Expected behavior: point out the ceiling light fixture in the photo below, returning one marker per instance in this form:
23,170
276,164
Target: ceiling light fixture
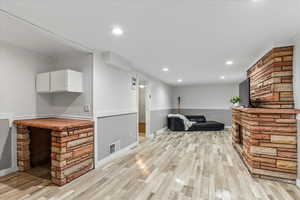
179,80
222,77
229,62
117,31
165,69
142,86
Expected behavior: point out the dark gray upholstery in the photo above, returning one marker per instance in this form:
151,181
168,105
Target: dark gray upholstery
176,124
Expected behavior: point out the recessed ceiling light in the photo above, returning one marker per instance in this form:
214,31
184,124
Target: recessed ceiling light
117,31
229,62
179,80
142,86
222,77
165,69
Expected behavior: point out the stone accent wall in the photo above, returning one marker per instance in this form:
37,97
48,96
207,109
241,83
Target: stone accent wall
269,133
23,152
271,79
269,143
72,152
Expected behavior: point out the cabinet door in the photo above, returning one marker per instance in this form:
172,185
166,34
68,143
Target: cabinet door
74,81
59,81
43,82
66,81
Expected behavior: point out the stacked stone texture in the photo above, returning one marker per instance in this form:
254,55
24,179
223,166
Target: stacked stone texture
71,152
269,147
23,152
266,137
271,79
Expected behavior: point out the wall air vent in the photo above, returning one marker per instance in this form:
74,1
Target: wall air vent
114,147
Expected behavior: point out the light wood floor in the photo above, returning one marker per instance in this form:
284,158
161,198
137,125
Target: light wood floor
173,166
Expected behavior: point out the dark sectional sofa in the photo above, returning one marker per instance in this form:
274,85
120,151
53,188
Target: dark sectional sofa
176,124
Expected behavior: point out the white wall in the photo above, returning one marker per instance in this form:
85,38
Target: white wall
211,96
18,68
296,71
161,95
115,107
72,104
112,88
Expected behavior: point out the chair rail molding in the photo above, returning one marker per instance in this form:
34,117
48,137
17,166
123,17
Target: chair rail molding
108,113
7,116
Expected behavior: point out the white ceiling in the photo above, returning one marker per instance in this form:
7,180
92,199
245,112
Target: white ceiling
24,35
193,38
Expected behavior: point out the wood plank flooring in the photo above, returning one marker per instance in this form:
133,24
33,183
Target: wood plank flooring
172,166
142,129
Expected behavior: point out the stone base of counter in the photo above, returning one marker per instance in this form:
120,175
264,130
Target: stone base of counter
72,152
267,142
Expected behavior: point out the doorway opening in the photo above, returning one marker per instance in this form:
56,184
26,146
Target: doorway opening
143,117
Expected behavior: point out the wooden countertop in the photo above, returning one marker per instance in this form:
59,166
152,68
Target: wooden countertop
56,124
267,110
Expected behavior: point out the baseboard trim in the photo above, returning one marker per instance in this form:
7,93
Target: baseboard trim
298,182
115,155
7,116
4,172
160,131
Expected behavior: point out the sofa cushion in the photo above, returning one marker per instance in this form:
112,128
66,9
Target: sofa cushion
196,118
207,126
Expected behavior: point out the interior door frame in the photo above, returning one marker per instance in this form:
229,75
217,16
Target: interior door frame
147,104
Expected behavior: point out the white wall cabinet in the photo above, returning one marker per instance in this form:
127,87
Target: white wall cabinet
59,81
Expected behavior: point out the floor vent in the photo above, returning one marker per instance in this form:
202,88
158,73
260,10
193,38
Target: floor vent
114,147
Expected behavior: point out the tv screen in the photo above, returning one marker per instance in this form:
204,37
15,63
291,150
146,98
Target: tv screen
244,92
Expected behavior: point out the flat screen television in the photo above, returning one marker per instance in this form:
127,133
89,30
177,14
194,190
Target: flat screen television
244,92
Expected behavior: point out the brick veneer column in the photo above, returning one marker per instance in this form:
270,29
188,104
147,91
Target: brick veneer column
23,152
269,143
72,154
271,79
269,135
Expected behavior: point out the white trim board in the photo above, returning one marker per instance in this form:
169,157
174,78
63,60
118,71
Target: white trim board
7,116
160,131
114,113
115,155
161,109
298,182
7,171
